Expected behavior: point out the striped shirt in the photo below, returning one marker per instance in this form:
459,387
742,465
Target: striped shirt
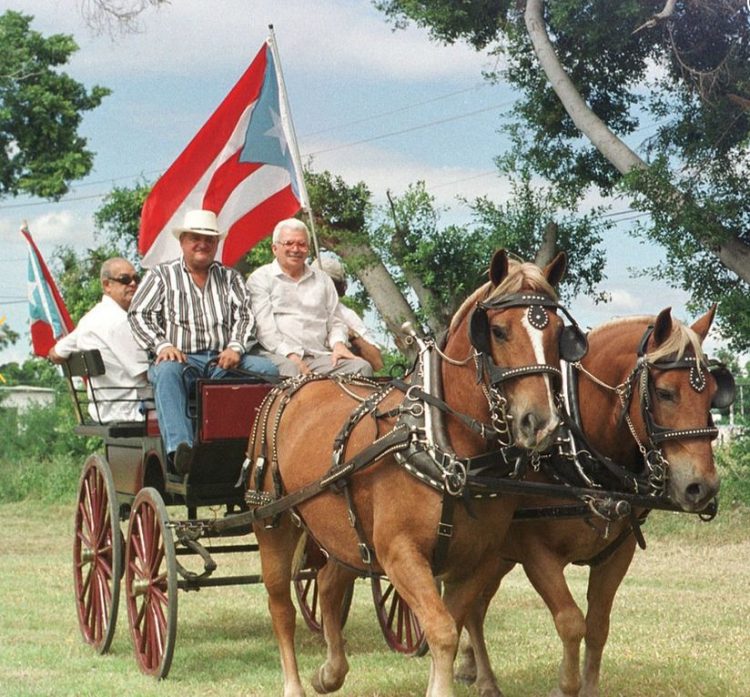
169,309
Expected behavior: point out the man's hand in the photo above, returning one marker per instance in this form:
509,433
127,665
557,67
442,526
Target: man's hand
340,351
229,358
170,353
299,362
55,357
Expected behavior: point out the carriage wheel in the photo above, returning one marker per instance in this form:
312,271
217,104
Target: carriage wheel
97,555
399,624
151,583
306,589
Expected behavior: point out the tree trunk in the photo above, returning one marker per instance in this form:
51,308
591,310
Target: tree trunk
425,296
548,248
731,252
390,303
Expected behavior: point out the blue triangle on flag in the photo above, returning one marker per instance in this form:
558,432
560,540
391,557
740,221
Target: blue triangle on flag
265,138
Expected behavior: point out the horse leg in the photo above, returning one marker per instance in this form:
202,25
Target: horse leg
604,580
546,573
469,596
276,553
333,582
474,666
411,575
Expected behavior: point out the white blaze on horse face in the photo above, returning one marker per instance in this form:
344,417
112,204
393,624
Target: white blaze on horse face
536,336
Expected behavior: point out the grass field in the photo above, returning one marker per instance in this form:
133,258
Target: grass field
679,625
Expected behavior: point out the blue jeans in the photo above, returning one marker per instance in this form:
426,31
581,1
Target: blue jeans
170,391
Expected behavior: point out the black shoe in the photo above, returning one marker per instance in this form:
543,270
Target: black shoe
183,458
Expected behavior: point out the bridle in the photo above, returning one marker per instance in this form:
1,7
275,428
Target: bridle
655,461
573,344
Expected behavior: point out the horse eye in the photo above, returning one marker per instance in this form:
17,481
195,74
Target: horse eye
499,333
665,395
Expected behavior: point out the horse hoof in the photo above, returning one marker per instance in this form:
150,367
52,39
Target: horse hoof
465,677
321,686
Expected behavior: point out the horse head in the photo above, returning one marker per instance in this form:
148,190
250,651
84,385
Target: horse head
515,332
665,401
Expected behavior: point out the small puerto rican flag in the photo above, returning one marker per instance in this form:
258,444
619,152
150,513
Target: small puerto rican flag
49,316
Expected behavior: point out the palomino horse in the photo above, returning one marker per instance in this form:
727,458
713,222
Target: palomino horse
359,466
645,394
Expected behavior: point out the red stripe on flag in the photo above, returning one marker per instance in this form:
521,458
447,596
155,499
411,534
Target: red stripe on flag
42,339
226,179
257,224
187,169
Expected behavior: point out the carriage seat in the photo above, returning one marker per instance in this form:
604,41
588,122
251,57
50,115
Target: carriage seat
85,365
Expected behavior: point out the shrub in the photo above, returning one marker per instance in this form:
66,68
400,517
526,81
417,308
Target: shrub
43,456
733,461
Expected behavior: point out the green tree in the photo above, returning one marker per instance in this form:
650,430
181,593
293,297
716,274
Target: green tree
7,336
41,109
116,231
36,372
606,71
118,219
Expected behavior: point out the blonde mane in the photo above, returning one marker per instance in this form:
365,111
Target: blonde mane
521,276
679,341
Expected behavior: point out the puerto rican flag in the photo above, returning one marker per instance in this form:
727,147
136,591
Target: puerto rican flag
239,165
49,316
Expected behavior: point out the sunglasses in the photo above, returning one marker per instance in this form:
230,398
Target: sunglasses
126,279
293,243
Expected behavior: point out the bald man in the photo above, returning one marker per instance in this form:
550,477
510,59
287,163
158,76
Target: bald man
105,327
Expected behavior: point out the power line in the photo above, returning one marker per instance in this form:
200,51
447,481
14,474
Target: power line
49,203
408,130
392,111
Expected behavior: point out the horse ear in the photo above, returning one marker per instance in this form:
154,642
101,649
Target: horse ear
662,327
499,267
702,325
555,270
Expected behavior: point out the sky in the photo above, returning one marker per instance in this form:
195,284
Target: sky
368,104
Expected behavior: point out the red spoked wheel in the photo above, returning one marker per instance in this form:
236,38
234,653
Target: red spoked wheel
399,624
306,589
97,554
151,583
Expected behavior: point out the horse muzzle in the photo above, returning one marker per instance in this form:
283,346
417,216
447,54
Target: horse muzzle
535,431
693,494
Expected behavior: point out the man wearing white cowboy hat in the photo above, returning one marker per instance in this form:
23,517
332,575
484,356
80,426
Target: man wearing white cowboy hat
188,312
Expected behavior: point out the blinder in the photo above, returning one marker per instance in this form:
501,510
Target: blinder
573,343
479,330
725,389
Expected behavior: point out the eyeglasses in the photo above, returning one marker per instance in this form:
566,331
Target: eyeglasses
126,279
293,243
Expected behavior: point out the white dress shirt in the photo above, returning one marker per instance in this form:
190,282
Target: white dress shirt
354,322
118,392
295,316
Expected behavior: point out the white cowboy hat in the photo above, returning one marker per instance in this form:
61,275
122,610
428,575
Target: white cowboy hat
201,223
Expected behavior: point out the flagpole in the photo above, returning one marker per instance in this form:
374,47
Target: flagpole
294,147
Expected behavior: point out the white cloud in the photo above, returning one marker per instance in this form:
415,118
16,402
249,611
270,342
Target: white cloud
63,227
384,169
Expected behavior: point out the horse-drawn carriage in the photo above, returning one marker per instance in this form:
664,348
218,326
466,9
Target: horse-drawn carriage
414,479
131,481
